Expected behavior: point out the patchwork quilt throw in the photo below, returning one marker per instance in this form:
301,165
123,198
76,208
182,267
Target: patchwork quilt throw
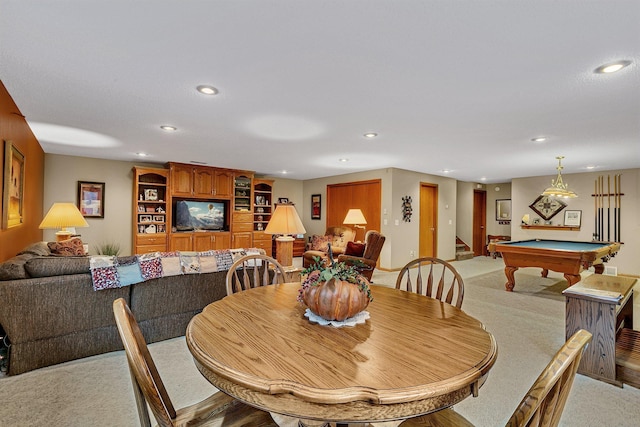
115,272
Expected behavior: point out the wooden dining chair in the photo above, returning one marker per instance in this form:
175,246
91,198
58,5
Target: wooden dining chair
218,410
434,278
544,402
254,270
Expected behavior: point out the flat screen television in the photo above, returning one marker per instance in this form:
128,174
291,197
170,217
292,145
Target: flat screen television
193,215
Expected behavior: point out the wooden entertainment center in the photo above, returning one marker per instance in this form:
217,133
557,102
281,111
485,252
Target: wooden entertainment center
247,203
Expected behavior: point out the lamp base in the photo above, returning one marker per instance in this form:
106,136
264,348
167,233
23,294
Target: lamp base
63,235
284,250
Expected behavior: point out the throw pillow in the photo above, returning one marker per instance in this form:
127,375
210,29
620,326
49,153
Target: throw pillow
70,247
320,243
354,249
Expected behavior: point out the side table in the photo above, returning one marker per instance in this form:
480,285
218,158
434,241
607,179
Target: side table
603,305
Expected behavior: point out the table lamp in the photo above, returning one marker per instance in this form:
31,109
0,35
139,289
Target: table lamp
285,221
63,215
355,217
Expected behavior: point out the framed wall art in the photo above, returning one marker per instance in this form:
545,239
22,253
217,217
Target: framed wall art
91,199
316,206
572,218
547,207
13,191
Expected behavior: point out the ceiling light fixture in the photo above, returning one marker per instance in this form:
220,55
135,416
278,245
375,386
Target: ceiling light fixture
168,128
207,90
558,187
370,135
343,160
141,154
612,67
539,139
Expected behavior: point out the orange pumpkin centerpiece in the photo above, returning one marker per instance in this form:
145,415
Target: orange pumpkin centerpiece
334,291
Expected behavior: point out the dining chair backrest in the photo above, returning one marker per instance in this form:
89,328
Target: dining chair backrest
252,271
216,410
147,384
434,278
544,402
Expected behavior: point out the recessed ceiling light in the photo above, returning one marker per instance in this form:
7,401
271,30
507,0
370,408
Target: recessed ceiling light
284,172
539,139
207,90
343,160
141,154
612,67
446,171
591,167
168,128
370,135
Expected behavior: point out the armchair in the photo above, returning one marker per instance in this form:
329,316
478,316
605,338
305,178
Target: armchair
372,248
318,247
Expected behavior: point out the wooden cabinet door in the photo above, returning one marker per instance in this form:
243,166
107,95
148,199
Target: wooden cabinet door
202,242
181,180
203,181
180,242
221,241
242,240
223,184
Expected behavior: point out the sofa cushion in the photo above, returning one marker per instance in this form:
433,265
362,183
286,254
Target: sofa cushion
14,268
38,248
47,266
354,249
69,247
320,243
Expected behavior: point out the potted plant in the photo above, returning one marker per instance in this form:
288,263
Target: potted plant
334,291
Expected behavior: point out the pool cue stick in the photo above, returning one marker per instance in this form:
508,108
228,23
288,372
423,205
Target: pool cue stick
601,233
615,208
609,208
619,208
595,210
600,237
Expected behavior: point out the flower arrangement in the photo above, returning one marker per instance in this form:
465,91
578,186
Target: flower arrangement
335,291
318,273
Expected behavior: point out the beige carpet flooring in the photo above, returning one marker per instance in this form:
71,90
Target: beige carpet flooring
528,325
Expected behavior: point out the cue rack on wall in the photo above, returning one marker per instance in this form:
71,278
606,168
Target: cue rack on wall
605,213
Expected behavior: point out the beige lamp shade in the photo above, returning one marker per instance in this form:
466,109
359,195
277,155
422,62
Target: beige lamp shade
285,221
354,217
63,215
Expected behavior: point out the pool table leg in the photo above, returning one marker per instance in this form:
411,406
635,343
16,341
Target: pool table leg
572,278
511,280
545,272
598,268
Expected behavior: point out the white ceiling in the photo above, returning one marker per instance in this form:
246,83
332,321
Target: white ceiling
461,85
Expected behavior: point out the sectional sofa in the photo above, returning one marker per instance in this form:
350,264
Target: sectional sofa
52,314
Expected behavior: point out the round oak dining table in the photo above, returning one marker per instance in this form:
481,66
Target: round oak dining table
414,355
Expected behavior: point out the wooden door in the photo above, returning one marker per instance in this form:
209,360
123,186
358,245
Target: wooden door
223,184
180,242
242,240
203,181
202,242
428,245
363,195
479,221
181,180
221,241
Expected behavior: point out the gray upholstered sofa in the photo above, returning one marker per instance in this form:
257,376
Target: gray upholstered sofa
51,314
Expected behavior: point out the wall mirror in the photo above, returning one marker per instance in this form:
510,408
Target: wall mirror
503,210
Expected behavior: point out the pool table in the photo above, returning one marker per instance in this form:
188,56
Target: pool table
562,256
